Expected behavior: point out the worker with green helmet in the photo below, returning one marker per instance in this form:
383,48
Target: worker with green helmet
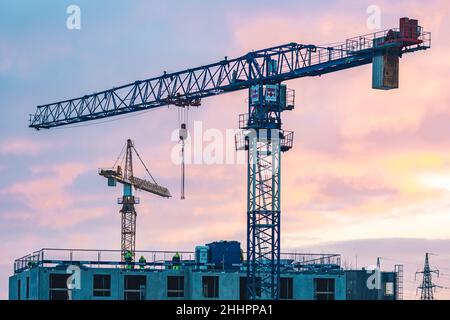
176,261
128,257
142,262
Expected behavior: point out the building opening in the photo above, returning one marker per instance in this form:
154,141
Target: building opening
102,285
286,288
243,288
324,289
210,286
27,292
58,286
135,287
175,286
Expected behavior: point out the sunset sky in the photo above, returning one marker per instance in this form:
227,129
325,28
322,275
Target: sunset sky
368,177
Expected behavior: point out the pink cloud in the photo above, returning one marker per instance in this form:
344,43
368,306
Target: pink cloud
19,146
23,147
48,194
72,216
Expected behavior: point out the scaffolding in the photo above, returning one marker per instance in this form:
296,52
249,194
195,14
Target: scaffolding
399,281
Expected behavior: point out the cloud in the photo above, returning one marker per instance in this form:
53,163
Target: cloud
432,133
5,57
62,219
15,58
407,251
47,195
355,191
23,147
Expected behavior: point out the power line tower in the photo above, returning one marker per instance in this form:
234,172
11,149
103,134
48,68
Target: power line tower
427,288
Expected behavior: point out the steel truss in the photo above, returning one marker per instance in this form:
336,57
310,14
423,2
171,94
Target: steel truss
263,218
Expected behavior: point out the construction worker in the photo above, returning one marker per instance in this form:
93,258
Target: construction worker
142,262
176,261
128,257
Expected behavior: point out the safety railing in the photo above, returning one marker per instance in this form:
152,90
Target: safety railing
356,45
301,261
48,257
156,260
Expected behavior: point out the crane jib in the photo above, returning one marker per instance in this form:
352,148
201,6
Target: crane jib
271,65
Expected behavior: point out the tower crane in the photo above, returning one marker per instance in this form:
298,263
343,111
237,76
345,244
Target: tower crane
128,200
262,73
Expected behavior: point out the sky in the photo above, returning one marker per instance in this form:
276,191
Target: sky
368,177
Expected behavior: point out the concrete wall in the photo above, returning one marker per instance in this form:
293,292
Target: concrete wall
358,287
304,285
228,285
33,285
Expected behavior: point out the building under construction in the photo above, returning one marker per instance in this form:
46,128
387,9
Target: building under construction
213,271
220,270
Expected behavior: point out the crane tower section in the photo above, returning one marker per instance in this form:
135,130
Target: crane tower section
264,141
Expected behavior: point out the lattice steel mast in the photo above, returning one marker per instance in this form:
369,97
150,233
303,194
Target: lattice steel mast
128,212
264,140
427,288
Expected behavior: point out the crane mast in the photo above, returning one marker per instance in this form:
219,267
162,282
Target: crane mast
262,73
264,140
128,211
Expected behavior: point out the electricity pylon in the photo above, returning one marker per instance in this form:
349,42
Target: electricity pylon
427,288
